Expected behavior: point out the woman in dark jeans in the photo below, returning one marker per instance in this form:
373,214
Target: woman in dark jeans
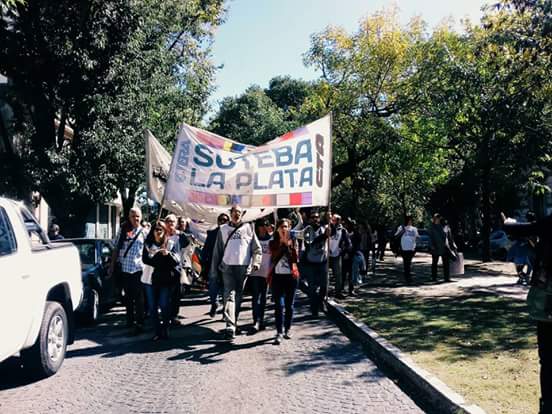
284,277
161,253
542,275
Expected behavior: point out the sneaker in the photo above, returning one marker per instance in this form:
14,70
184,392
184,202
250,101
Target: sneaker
287,335
278,339
257,326
353,293
213,310
230,334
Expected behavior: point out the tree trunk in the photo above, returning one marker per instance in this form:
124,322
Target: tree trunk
486,201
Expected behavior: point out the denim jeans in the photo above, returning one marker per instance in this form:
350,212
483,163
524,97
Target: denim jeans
215,288
233,278
283,286
159,297
335,265
358,263
317,278
258,298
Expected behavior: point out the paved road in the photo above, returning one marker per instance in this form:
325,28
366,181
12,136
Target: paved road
107,371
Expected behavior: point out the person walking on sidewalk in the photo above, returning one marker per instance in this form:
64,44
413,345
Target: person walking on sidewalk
258,279
407,234
340,244
315,261
127,257
284,277
236,249
214,283
439,241
161,253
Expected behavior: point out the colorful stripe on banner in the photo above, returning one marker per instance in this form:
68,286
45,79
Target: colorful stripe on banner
301,199
294,134
264,200
282,199
214,141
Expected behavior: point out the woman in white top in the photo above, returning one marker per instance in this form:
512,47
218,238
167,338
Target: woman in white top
408,234
284,276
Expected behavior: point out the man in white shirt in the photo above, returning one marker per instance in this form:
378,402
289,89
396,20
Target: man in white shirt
237,248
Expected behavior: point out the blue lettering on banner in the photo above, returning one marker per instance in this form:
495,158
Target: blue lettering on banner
243,179
303,150
231,163
276,179
193,179
184,153
319,160
283,156
203,156
216,179
263,158
291,173
306,177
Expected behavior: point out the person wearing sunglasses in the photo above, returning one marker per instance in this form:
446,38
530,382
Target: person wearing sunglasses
160,252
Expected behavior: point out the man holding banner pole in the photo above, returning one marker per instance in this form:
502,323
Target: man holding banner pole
236,250
315,261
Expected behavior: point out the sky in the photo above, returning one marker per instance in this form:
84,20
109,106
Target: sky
265,38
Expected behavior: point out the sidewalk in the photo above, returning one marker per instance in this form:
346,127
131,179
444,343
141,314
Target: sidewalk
473,333
492,278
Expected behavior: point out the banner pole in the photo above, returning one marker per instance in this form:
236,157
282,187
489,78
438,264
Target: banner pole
170,169
329,208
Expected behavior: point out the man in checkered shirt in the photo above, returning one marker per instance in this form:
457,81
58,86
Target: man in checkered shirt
130,259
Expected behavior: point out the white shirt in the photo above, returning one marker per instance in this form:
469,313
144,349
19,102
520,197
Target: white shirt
265,261
238,251
408,239
283,267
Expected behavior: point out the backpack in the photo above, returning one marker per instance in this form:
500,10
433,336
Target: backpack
395,243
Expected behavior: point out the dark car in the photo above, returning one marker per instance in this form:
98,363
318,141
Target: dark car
423,241
99,291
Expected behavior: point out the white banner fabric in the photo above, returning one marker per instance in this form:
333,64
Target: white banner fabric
158,162
212,172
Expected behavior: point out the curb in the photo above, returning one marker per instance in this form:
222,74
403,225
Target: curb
427,387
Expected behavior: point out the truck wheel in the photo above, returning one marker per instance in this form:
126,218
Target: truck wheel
45,357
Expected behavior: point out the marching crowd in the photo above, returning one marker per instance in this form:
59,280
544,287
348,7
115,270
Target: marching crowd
275,256
271,256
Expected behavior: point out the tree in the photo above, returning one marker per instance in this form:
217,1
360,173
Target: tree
366,81
107,70
488,94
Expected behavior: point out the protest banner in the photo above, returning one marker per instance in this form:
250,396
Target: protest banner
210,171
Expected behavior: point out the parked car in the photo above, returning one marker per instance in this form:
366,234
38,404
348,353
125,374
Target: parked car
99,291
500,244
40,288
423,241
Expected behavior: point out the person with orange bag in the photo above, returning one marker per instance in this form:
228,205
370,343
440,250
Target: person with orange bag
283,276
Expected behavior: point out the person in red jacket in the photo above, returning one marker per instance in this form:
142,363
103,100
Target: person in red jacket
284,276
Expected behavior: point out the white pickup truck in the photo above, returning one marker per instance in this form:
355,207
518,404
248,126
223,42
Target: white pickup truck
40,287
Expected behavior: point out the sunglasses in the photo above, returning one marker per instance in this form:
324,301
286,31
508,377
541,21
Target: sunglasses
159,230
